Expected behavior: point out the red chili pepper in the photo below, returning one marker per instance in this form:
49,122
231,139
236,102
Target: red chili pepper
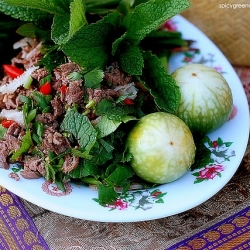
12,71
63,89
6,123
91,116
46,88
128,101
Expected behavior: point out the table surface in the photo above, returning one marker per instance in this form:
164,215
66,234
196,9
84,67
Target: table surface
222,222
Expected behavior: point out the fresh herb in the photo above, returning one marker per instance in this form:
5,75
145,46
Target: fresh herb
3,130
80,126
26,144
203,154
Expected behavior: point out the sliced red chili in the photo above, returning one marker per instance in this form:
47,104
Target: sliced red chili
6,123
63,89
91,116
46,88
128,101
12,71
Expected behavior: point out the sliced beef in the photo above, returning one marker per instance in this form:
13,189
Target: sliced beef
34,163
29,56
6,79
115,76
74,93
14,176
58,107
47,119
15,130
70,67
4,152
61,74
34,168
23,92
9,101
98,94
70,163
39,74
54,141
27,174
11,142
2,103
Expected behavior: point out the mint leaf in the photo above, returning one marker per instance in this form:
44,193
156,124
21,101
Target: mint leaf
101,153
60,29
89,46
27,14
52,59
25,146
113,111
203,154
57,7
120,176
93,78
65,26
85,169
109,148
77,16
106,194
90,169
131,60
150,15
80,153
82,129
106,126
30,30
161,85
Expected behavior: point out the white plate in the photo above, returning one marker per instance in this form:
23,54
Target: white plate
168,199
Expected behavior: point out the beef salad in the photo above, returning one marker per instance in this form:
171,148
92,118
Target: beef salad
71,94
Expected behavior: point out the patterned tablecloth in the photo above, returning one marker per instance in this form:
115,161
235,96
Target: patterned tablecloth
222,222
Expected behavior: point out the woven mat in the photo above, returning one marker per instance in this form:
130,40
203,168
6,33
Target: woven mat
18,231
227,24
62,232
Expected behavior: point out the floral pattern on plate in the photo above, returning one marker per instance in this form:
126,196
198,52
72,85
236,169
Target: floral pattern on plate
220,153
141,199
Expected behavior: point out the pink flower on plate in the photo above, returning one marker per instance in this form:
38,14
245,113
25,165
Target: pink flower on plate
209,172
119,204
169,25
218,68
234,113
